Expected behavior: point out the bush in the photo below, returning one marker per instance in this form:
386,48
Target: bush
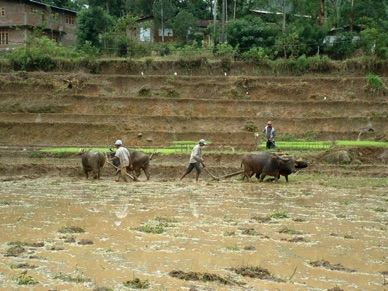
41,53
250,126
258,55
299,65
374,81
225,50
194,62
320,64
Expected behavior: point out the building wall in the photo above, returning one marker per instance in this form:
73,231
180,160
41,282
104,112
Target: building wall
18,18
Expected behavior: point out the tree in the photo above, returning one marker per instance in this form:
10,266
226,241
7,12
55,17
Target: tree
92,23
164,11
251,32
141,8
200,9
117,38
374,22
114,8
185,26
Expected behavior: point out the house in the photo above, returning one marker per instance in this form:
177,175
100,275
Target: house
18,19
145,31
333,33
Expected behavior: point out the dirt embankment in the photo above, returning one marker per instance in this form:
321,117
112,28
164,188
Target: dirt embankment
86,110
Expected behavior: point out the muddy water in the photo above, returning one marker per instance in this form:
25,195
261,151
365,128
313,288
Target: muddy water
207,227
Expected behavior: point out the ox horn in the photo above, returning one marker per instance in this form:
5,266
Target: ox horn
284,157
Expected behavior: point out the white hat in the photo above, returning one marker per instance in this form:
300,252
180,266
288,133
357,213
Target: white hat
202,141
118,142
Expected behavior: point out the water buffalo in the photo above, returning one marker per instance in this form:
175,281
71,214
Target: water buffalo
285,170
139,160
93,161
265,164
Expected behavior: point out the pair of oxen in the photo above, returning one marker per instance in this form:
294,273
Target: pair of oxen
94,161
260,164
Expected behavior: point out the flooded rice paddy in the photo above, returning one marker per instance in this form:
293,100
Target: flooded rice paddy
76,234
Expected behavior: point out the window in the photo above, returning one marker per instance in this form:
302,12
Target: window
166,32
4,37
70,19
2,12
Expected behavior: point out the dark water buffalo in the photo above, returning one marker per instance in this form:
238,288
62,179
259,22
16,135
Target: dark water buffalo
266,164
140,161
93,161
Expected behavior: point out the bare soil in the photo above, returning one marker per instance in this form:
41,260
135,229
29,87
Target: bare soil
75,234
324,230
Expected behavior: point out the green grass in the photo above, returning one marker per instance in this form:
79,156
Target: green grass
177,147
362,143
325,144
279,214
23,279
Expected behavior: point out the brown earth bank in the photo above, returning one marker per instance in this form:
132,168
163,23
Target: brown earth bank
78,109
24,162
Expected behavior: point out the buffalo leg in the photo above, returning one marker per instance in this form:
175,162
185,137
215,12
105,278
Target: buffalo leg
147,173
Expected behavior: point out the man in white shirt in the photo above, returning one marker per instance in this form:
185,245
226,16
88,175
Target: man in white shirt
195,160
123,155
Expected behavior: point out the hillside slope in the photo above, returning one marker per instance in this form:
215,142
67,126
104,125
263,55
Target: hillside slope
53,109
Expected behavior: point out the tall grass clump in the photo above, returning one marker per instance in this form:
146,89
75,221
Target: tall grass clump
374,81
299,65
321,64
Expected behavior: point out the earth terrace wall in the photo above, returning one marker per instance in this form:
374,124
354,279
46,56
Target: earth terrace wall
100,134
43,110
200,66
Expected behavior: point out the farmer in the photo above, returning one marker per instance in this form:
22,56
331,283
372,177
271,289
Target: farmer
123,155
270,134
195,160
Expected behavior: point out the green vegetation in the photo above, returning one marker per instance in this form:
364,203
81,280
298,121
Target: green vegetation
177,147
375,81
157,225
165,220
290,231
23,279
14,251
233,248
22,266
349,236
79,278
290,44
156,229
137,284
71,229
279,214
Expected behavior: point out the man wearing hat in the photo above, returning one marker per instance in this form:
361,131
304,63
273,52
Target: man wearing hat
270,134
195,160
123,155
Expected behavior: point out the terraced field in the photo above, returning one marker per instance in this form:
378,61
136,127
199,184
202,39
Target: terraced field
324,230
46,109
